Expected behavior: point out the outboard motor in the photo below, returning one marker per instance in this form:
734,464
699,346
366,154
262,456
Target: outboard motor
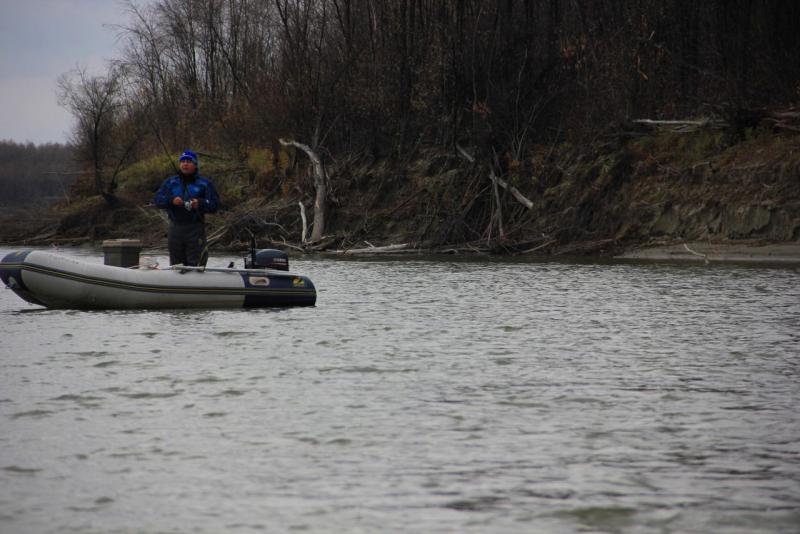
267,259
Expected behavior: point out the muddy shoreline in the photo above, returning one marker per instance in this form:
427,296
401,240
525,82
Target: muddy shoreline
690,197
784,253
702,252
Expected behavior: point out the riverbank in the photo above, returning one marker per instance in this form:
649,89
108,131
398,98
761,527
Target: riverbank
745,251
665,196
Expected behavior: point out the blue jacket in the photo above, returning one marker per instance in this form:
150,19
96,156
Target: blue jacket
187,187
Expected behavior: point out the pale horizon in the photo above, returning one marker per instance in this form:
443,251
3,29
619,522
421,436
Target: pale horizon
39,41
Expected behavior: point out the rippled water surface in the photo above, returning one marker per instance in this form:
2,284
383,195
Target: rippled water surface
417,396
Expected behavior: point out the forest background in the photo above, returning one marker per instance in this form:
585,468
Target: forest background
540,126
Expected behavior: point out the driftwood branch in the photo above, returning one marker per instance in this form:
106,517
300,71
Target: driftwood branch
653,122
464,154
388,249
683,125
546,244
787,120
497,180
704,256
511,189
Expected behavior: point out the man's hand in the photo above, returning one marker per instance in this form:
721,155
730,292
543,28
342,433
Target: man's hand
177,201
195,202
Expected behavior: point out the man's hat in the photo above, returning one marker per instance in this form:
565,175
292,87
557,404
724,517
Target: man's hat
188,155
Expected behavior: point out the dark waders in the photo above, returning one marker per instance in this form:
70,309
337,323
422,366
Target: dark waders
187,244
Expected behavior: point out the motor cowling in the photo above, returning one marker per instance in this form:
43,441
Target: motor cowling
268,259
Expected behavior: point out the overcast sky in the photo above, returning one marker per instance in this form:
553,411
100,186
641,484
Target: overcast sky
40,40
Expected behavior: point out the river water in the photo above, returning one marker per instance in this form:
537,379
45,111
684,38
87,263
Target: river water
417,396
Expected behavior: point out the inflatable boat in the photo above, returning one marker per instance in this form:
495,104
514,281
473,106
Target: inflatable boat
58,281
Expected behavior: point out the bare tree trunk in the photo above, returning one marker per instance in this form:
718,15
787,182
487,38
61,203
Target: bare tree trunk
305,223
498,207
320,187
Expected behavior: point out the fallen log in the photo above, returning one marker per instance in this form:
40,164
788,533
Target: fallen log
388,249
499,181
683,125
540,247
513,190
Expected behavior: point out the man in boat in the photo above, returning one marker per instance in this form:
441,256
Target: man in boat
187,197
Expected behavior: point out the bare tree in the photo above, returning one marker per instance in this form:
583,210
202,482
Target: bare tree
320,188
94,102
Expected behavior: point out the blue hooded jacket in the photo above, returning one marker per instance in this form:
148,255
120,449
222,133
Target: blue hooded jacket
187,187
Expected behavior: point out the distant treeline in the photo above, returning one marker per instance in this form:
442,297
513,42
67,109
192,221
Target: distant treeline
385,77
35,174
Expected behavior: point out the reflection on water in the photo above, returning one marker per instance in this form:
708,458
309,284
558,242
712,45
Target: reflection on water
434,396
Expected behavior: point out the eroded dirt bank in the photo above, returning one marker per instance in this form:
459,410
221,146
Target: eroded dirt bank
724,197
